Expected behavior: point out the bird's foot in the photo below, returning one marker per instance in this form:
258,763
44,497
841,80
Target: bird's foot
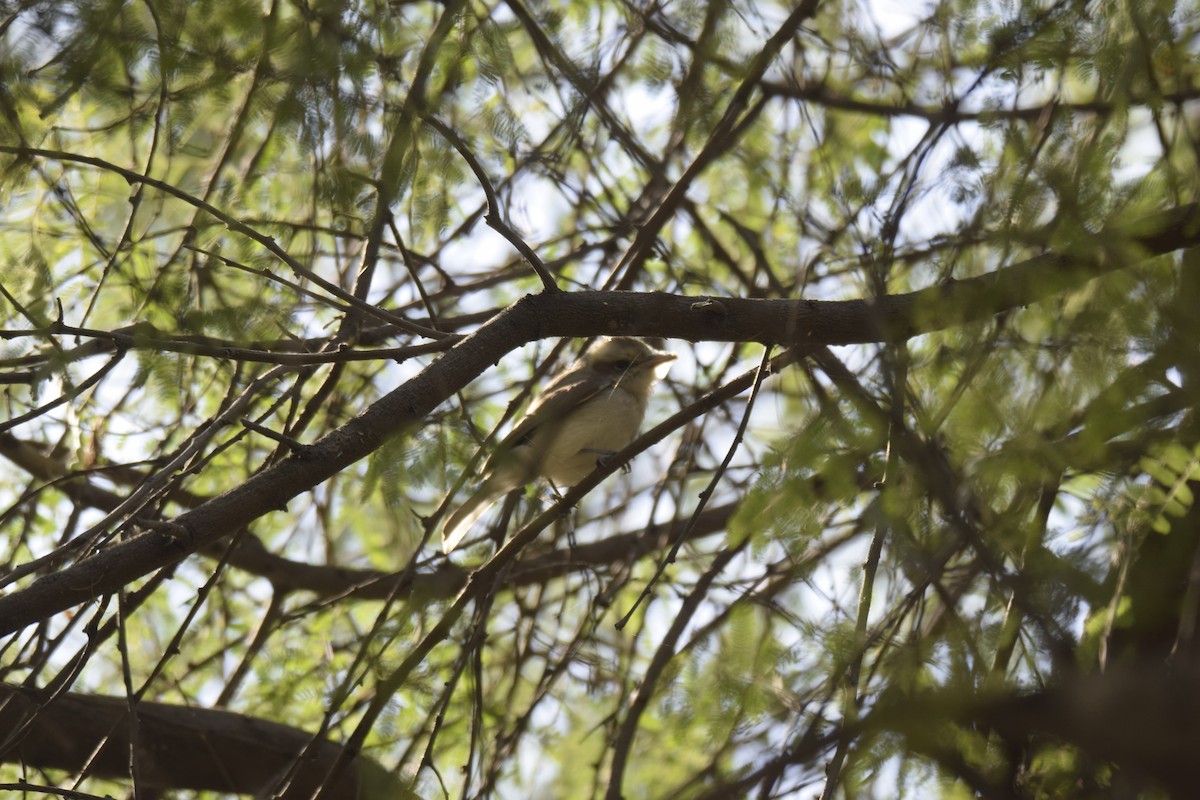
602,457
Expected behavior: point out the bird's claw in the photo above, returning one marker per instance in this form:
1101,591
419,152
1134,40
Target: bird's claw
602,457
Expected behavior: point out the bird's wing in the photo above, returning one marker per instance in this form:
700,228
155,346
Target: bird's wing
561,395
553,404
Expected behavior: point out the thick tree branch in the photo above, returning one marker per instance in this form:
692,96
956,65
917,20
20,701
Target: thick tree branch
1142,716
178,747
286,575
781,322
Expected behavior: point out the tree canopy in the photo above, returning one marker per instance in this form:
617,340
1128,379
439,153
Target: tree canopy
912,514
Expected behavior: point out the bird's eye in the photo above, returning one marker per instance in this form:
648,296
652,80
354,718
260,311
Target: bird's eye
623,364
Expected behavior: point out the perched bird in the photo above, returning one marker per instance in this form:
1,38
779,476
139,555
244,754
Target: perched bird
591,410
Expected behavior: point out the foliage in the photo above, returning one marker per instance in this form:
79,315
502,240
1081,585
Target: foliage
231,228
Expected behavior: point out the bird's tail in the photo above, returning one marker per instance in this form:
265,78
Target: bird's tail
468,514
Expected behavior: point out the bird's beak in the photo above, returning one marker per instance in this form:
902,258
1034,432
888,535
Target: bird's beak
654,364
659,358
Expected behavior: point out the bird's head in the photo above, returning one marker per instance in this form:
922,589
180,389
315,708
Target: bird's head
629,360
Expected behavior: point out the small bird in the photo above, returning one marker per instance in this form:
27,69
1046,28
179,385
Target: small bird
591,410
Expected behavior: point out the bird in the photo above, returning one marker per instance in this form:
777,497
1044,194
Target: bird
592,409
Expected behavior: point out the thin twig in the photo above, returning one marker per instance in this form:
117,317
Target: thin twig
762,371
67,396
493,218
235,224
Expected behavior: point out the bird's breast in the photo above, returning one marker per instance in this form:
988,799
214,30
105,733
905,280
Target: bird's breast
605,423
